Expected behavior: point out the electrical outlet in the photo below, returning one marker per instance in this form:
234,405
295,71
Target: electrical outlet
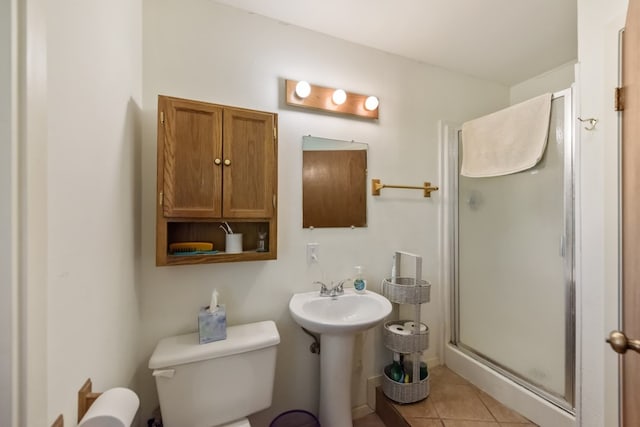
313,251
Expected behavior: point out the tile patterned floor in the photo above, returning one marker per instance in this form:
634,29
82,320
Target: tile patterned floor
452,402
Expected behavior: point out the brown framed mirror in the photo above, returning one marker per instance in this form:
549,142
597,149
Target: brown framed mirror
334,183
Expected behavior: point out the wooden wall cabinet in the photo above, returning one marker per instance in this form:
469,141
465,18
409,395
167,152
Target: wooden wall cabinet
215,164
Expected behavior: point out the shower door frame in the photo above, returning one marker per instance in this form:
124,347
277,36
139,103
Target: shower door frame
567,402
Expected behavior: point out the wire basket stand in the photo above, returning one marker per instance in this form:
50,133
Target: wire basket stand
407,336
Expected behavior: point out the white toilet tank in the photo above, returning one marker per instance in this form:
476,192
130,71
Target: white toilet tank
204,385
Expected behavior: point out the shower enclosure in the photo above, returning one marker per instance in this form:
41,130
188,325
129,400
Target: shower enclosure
512,267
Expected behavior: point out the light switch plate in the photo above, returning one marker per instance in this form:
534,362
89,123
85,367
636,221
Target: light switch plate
313,253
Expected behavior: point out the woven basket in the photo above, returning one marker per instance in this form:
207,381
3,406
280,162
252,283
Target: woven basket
404,343
404,393
406,290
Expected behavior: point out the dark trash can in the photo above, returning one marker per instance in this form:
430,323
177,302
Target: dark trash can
295,418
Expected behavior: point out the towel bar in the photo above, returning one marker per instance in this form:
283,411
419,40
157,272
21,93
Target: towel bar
376,186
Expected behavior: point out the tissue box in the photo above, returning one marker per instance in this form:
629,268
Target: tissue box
212,326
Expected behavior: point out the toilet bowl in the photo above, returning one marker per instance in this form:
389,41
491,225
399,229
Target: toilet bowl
216,384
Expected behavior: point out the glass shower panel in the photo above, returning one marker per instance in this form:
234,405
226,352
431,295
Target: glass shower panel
511,276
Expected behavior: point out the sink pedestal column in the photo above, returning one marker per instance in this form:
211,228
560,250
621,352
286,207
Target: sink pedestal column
336,354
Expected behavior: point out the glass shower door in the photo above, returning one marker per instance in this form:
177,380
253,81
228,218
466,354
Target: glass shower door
515,265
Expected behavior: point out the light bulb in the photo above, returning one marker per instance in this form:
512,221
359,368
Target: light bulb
371,103
339,96
303,89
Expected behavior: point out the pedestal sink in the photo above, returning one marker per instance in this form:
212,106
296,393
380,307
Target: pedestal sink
337,320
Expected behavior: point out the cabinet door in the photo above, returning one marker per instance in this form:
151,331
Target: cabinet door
189,158
249,173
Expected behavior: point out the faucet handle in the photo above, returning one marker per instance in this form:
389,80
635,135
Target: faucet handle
323,288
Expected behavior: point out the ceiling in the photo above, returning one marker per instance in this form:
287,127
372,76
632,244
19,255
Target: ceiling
505,41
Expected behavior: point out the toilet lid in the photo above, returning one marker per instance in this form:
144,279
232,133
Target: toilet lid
238,423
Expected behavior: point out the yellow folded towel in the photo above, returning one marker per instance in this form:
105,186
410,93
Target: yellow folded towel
507,141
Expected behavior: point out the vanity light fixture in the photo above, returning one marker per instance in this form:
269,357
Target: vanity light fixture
303,94
303,89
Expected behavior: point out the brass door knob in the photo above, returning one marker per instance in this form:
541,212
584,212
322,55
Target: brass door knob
227,162
620,343
217,161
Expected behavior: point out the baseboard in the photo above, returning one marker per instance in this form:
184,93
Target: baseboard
360,411
372,384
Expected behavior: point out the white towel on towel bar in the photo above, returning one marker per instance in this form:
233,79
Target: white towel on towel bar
507,141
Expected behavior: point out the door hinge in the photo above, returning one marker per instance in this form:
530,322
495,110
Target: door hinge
162,117
160,198
275,134
273,199
619,99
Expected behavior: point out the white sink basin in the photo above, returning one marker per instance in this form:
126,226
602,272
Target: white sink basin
348,313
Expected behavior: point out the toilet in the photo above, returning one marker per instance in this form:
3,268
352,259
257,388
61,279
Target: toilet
217,384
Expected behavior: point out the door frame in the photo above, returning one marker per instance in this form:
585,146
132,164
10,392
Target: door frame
612,281
8,217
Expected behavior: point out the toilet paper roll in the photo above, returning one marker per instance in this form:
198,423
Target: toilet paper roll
399,329
409,326
116,407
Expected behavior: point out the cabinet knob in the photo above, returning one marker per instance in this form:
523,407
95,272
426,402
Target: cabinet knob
227,162
217,161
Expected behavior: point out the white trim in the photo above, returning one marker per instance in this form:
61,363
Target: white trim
612,222
577,221
32,212
372,384
8,218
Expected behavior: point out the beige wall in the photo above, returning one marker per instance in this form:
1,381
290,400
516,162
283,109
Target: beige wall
555,80
93,190
201,50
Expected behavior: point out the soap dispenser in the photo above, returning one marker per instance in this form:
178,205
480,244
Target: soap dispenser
359,284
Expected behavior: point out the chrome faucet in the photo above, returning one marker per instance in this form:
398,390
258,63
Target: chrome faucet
323,288
332,291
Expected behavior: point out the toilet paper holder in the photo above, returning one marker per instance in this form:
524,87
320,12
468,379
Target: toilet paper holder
86,397
59,422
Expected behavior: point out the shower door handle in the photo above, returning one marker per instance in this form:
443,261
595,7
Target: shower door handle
620,343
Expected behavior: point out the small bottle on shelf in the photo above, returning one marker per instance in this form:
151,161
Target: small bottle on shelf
424,371
397,372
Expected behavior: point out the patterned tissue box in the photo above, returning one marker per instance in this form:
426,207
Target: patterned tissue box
212,326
